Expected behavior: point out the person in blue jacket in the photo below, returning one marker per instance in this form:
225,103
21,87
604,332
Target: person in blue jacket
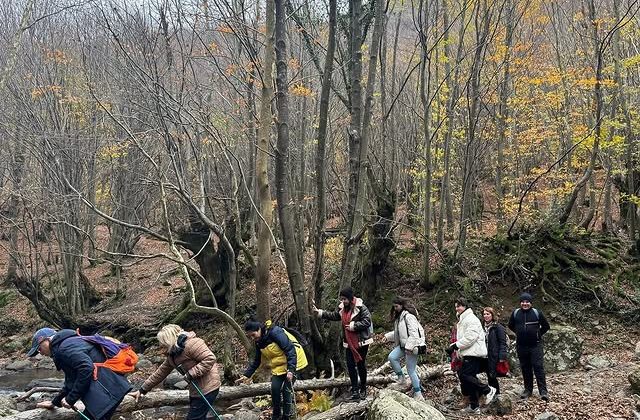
75,357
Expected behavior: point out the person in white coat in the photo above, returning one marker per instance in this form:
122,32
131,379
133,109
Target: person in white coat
408,336
471,345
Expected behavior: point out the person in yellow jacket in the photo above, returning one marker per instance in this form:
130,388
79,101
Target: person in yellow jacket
279,349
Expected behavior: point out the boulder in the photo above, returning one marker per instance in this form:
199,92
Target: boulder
8,406
46,382
634,380
181,385
500,406
19,365
144,364
247,415
562,348
171,380
12,345
397,406
597,362
547,415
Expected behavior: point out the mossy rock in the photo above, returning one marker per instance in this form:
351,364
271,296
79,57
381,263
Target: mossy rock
562,348
393,405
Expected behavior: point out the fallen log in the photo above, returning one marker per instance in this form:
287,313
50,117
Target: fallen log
181,398
342,411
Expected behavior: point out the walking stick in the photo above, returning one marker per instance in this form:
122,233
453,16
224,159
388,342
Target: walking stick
182,371
79,412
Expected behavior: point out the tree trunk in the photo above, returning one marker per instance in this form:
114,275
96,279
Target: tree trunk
283,195
321,167
263,287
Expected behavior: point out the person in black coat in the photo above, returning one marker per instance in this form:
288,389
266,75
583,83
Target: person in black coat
530,325
496,337
75,357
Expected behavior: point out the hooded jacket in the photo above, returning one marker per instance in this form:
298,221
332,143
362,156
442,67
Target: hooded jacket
360,322
496,337
197,359
470,335
75,357
407,332
278,349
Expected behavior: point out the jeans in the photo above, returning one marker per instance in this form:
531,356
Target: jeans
532,362
470,385
198,409
281,397
357,369
412,361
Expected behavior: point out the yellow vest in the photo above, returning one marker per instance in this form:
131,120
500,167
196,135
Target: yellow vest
273,356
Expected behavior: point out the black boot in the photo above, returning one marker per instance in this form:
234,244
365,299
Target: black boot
355,395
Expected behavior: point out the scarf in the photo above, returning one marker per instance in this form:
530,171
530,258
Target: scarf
351,337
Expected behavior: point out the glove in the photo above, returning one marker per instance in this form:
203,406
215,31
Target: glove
415,350
453,347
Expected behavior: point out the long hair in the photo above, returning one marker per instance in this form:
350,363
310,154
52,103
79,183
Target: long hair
406,304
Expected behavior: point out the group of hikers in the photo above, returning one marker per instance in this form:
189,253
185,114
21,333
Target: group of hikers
90,376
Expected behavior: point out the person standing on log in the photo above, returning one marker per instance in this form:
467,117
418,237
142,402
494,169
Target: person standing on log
279,349
530,325
471,345
496,338
100,390
191,354
357,334
408,336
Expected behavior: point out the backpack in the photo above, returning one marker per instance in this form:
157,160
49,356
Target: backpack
535,311
120,356
300,338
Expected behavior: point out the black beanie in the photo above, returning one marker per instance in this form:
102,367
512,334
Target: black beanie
347,292
526,296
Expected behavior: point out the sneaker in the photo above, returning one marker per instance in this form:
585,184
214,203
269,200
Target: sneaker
470,410
490,395
418,396
363,394
544,396
355,396
400,384
525,394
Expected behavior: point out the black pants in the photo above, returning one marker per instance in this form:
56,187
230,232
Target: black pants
281,397
470,385
357,369
198,409
532,362
492,380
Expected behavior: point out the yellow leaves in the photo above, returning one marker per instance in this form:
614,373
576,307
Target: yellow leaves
39,91
631,61
299,89
590,83
333,250
56,56
114,151
225,29
294,64
213,47
319,402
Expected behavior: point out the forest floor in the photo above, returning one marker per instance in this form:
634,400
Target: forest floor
152,295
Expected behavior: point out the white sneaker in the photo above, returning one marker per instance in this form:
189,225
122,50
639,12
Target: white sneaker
490,395
418,396
400,384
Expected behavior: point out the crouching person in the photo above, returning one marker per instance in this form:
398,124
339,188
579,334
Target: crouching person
100,392
191,355
280,350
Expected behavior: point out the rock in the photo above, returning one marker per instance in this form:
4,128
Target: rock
181,385
634,380
167,283
636,353
562,348
500,406
144,364
19,365
247,415
47,382
11,346
547,415
8,406
46,363
394,405
636,415
597,362
172,380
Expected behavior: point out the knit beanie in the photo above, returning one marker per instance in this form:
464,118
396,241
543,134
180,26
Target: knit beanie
347,292
526,296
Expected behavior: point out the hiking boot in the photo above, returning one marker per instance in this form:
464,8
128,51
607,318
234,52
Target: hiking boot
355,396
418,396
544,396
470,410
525,394
490,395
363,394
